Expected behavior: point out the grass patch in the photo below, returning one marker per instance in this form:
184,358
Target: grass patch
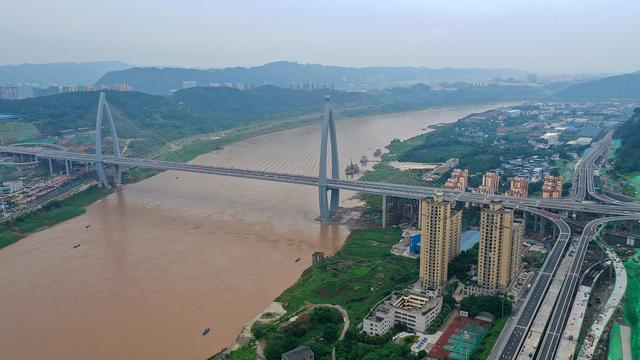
41,219
357,277
85,197
8,237
17,132
488,341
247,352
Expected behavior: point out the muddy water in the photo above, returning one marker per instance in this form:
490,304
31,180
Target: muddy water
163,259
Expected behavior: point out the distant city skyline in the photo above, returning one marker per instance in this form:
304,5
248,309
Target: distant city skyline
539,36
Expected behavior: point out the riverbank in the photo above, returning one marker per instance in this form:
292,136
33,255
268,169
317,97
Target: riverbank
355,278
54,212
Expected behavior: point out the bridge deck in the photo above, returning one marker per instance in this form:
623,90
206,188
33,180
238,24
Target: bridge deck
406,191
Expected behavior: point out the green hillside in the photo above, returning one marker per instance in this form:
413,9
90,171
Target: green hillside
625,86
628,154
206,109
188,112
11,132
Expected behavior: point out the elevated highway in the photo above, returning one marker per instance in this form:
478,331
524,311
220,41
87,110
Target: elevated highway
406,191
553,335
513,336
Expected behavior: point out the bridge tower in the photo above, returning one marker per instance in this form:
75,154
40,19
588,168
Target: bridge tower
103,107
328,208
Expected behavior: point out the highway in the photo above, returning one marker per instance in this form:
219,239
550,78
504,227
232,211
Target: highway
584,174
511,339
551,338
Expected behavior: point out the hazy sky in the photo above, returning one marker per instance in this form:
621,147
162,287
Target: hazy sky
543,36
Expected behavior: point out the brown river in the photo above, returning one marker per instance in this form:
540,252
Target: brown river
163,259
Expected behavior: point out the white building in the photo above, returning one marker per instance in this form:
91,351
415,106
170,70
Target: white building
583,141
14,186
514,113
552,138
411,309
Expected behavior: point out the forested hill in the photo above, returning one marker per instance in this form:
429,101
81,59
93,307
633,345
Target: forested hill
613,87
188,112
206,109
161,80
628,154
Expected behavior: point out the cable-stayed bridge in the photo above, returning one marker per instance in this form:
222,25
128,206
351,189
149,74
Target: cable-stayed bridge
331,184
330,180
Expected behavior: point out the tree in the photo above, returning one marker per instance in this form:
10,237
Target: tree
498,305
277,344
330,333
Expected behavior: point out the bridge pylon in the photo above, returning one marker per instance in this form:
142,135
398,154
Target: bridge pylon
103,107
328,208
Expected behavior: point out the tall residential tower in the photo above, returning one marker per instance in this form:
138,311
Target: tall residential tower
500,247
441,228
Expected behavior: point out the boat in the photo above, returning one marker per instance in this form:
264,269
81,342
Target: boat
86,227
351,169
298,259
76,246
205,331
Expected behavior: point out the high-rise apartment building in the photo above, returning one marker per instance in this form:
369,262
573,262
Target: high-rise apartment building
552,187
441,227
519,188
490,184
500,247
458,181
8,92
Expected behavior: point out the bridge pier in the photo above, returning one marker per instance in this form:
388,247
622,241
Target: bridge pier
328,208
50,167
66,166
103,107
384,211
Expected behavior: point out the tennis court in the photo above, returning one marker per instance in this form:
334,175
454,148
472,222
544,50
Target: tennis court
460,338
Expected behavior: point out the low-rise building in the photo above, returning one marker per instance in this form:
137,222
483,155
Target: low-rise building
414,310
14,186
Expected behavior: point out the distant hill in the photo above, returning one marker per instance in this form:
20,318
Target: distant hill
161,80
188,112
58,73
625,86
420,96
205,109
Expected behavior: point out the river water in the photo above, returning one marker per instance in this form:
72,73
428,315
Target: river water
163,259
